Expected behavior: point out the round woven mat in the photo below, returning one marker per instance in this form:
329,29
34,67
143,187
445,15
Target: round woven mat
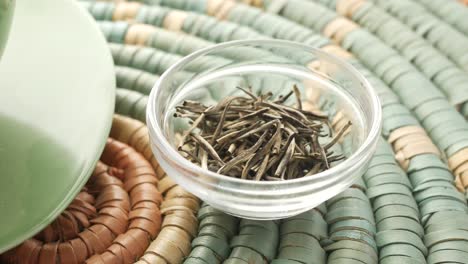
410,206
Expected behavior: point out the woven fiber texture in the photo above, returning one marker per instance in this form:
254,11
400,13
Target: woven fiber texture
112,220
409,207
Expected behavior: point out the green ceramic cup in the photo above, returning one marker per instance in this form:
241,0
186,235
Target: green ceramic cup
7,8
56,108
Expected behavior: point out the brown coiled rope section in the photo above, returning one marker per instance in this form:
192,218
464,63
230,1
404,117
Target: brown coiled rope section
179,208
112,220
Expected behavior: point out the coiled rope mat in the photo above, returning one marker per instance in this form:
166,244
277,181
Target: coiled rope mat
410,206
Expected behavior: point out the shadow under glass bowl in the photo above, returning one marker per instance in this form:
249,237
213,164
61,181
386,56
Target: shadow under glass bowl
326,82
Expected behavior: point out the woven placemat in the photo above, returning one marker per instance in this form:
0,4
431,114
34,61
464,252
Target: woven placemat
113,219
409,207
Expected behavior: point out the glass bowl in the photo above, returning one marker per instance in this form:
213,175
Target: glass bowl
326,82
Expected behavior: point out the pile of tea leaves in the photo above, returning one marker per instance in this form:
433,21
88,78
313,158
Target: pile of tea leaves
256,137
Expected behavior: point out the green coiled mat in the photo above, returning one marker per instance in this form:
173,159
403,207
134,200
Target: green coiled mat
410,206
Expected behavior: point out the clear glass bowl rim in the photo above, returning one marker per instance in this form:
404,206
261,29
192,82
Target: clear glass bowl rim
162,143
